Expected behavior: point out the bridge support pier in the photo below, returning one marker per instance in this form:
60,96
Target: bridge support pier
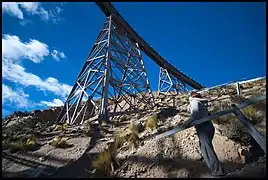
168,84
112,80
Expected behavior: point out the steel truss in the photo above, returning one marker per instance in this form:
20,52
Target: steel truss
112,80
168,84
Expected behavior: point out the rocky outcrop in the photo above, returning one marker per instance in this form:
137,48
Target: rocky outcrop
48,114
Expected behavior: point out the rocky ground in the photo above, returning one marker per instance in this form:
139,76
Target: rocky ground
174,156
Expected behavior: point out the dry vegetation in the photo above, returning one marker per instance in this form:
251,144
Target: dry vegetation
152,123
88,128
231,127
60,142
106,161
20,145
123,141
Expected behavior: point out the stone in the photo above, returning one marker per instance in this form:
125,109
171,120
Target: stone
41,159
192,138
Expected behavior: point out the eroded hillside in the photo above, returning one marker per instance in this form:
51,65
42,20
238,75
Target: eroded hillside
34,147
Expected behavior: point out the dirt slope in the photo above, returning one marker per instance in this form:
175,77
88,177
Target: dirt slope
174,156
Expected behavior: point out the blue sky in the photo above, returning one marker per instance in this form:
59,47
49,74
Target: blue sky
44,45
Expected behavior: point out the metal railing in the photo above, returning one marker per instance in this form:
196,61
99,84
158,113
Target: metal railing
235,109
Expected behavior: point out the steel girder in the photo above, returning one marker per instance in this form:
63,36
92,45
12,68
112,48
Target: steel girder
168,84
112,80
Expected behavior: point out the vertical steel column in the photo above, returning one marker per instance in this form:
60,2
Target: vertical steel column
104,101
238,89
147,80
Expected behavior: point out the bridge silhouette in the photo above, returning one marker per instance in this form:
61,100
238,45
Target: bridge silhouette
114,79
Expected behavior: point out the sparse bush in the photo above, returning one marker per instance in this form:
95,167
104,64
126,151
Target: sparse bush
120,138
134,139
132,127
261,105
60,142
61,127
15,146
88,128
152,122
230,126
133,136
103,162
251,113
235,131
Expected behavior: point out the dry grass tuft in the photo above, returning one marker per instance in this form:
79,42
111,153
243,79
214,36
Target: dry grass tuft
16,146
152,123
60,127
120,139
88,128
60,142
103,162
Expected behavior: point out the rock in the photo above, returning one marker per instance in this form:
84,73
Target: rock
41,159
192,138
46,115
182,173
140,127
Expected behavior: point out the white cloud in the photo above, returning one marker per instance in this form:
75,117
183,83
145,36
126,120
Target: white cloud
17,97
54,103
13,50
62,55
12,9
24,22
31,8
17,74
57,55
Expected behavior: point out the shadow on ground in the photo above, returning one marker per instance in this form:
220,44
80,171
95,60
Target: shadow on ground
81,168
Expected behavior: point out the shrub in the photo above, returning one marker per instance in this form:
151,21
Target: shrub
251,113
235,131
133,136
261,105
132,127
88,128
152,122
230,126
120,138
134,139
60,127
15,146
60,142
103,162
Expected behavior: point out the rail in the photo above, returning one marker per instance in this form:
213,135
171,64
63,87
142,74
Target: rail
235,109
108,10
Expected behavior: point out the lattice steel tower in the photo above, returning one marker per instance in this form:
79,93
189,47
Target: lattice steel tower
168,84
112,80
